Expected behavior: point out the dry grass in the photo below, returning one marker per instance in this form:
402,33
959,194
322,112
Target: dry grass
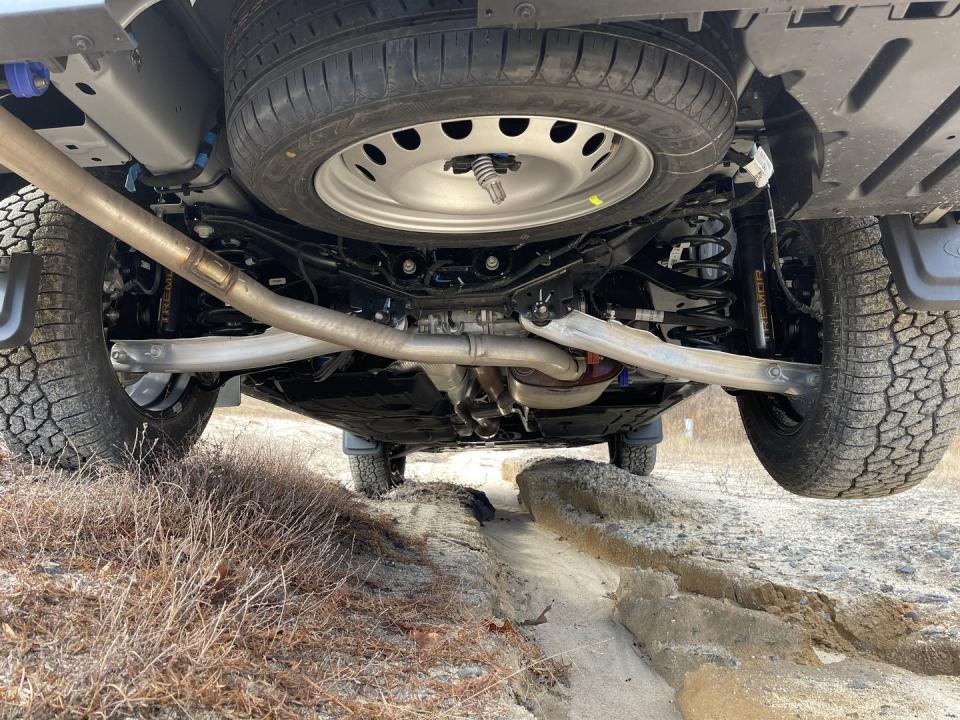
224,586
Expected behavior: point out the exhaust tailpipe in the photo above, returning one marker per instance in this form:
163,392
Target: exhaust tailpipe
645,350
24,152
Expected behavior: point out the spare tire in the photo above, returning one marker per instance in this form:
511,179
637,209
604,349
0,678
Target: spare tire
364,118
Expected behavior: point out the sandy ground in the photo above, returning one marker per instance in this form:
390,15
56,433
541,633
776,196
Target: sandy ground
608,675
853,607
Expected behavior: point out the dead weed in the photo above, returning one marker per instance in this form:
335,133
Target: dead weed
224,585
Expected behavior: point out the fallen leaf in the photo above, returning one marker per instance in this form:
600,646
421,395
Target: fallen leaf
426,639
10,632
507,627
540,619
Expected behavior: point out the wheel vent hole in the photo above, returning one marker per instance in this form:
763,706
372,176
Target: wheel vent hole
512,127
375,154
366,173
457,129
562,131
408,139
593,144
601,161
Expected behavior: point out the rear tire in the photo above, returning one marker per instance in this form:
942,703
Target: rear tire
375,475
635,459
60,400
887,406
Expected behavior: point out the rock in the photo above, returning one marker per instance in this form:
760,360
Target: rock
926,598
683,632
908,570
886,587
470,671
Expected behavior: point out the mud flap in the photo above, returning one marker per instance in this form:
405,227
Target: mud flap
356,445
19,287
924,261
649,434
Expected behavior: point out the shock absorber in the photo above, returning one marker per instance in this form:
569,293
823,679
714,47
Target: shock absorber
752,224
705,278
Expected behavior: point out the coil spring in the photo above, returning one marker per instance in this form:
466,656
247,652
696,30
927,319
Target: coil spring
709,323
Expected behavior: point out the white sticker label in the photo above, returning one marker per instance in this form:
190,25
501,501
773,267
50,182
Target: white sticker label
760,168
655,316
276,281
676,252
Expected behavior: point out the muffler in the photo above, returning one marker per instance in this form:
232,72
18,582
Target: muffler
645,350
27,154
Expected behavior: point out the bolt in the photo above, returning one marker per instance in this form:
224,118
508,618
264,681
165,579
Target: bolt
487,177
82,43
541,311
409,266
41,83
112,316
774,371
155,351
203,230
813,379
119,356
525,11
491,263
380,316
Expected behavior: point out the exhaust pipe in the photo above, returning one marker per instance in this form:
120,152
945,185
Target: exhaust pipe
645,350
25,153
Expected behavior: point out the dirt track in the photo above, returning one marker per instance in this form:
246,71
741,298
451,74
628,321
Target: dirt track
708,592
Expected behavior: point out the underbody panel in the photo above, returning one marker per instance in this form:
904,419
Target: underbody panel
409,410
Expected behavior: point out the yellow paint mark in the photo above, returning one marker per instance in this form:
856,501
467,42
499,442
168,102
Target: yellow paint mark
595,200
291,154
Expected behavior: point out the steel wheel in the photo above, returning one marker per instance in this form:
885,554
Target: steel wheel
424,178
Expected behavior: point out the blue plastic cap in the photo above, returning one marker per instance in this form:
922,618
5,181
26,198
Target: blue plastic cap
132,174
27,79
202,160
624,379
210,138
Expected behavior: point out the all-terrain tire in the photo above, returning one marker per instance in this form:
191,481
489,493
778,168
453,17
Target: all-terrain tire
60,401
635,459
306,80
887,406
376,474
